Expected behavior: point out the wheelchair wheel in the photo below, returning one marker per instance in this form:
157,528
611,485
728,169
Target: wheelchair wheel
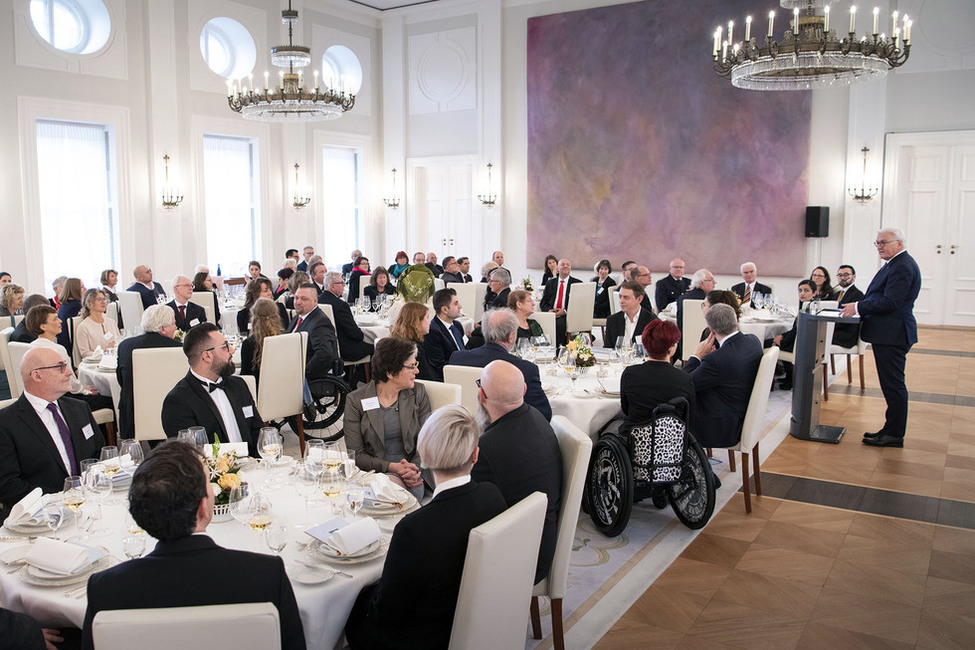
609,486
692,496
322,418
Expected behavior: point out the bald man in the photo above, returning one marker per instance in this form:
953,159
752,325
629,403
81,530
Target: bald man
519,451
188,314
672,286
145,287
44,436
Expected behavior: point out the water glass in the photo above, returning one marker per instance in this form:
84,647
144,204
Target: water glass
53,514
353,497
132,449
276,536
134,546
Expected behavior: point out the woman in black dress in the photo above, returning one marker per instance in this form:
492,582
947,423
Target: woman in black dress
379,285
259,288
655,381
600,308
822,283
265,321
413,324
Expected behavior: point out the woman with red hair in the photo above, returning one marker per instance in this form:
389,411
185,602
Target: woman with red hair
656,381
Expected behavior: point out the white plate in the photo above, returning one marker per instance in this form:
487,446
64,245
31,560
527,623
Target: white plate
326,554
14,555
63,581
95,553
308,575
330,551
582,393
373,508
28,528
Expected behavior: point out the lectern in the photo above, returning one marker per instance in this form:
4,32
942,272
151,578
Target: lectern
810,348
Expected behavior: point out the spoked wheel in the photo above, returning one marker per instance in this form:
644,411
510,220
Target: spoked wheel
609,486
692,496
322,418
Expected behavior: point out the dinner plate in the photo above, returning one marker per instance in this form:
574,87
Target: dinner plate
29,528
15,554
582,393
95,553
309,575
330,551
385,509
377,551
610,394
63,581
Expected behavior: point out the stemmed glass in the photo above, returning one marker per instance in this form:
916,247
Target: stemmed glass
332,456
306,485
349,468
353,496
259,512
315,456
276,536
73,495
768,301
132,449
269,445
53,514
110,466
239,498
134,546
330,483
568,364
757,299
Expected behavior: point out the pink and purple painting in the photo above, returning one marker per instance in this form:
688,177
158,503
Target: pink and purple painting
637,149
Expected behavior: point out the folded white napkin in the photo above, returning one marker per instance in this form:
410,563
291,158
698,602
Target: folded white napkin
387,490
610,384
56,556
227,447
108,361
27,510
351,539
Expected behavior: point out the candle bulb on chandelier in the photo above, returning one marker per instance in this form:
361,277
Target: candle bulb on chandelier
907,32
250,78
795,22
717,42
230,88
266,76
316,82
731,31
771,19
724,51
748,28
876,16
893,19
826,20
853,19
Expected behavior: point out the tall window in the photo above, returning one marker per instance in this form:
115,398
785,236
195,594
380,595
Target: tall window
342,195
79,213
232,202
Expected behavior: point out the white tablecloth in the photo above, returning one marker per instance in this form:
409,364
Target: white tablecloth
104,381
764,327
584,404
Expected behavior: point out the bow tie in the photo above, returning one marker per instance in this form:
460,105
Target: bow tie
212,387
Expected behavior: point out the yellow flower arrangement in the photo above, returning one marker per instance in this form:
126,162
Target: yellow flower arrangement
223,470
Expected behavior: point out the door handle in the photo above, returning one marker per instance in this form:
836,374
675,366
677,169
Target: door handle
953,247
938,249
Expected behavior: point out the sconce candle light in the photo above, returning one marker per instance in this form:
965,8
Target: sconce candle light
301,197
392,201
864,194
170,197
490,198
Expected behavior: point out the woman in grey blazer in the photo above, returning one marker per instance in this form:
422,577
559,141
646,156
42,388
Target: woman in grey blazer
383,418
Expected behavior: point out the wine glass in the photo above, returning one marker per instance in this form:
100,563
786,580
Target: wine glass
306,485
332,456
132,449
238,501
769,301
269,446
276,536
353,497
757,299
331,486
259,512
134,546
349,468
109,460
53,514
73,495
199,437
315,456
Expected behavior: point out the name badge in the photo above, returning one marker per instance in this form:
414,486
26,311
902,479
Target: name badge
370,403
248,411
109,336
194,322
88,431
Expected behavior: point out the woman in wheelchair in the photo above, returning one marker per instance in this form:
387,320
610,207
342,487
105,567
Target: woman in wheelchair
644,387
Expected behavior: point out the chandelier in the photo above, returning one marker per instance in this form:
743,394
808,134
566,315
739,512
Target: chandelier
292,100
810,54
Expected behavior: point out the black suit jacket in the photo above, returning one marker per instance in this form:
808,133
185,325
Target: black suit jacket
182,573
302,266
520,454
350,337
739,290
194,314
354,281
447,276
20,631
498,300
21,335
189,405
847,334
481,356
417,594
148,295
320,354
616,326
723,384
645,386
436,268
28,456
551,293
887,309
669,289
123,372
440,344
601,307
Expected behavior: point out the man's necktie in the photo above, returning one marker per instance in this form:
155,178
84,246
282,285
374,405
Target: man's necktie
65,438
558,301
182,312
458,338
748,295
298,324
839,297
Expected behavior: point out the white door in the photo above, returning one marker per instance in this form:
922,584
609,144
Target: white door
930,194
442,214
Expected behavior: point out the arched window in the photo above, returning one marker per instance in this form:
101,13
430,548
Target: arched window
228,48
341,69
73,26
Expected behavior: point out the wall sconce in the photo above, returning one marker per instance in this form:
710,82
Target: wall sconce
392,201
490,198
301,197
170,197
864,194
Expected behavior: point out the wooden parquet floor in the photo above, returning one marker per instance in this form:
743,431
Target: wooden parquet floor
799,574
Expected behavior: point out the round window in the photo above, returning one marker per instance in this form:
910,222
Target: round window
74,26
341,69
228,48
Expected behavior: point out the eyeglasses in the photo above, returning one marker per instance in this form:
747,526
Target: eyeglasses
844,275
411,366
226,344
61,367
884,242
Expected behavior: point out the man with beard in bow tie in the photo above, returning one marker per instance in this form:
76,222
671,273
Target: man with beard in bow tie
210,395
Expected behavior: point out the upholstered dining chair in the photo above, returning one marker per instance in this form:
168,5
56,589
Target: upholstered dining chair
440,394
13,379
205,299
130,305
365,361
16,351
154,373
691,327
465,377
547,320
467,295
578,315
280,392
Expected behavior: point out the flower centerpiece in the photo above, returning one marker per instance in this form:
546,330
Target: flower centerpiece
223,469
580,350
527,284
178,336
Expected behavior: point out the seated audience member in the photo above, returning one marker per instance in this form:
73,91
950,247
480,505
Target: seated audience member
522,303
821,280
627,270
308,252
556,297
210,395
379,285
109,280
464,264
283,276
254,271
719,296
95,330
45,434
401,264
673,286
643,277
171,498
317,273
645,386
846,334
70,306
499,286
321,353
292,255
202,281
22,632
56,285
787,340
451,270
150,291
383,417
21,334
500,327
188,313
486,269
360,270
260,288
431,264
11,303
413,324
702,283
5,279
747,289
551,267
265,322
352,344
498,258
288,297
519,451
723,378
630,321
446,335
417,594
159,327
419,258
601,307
349,267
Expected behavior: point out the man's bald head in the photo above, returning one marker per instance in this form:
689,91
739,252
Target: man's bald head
41,376
502,388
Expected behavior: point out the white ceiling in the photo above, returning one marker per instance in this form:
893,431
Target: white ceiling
384,5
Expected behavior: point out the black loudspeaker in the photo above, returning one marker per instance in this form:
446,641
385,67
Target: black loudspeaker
817,221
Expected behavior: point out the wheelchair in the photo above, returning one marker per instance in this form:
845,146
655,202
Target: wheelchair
658,459
322,416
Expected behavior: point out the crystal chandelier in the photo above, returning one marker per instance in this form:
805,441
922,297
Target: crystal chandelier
810,54
292,100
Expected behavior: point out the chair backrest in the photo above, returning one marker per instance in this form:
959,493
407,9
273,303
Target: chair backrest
73,323
614,299
111,311
4,403
327,309
13,378
464,376
495,590
205,299
751,429
547,320
480,292
130,304
154,373
576,449
441,394
467,295
692,326
438,284
578,316
17,352
281,389
241,625
363,283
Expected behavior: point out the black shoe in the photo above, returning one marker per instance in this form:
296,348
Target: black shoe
785,385
872,436
884,441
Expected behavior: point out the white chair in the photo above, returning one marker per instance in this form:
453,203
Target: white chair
857,350
251,382
547,320
363,283
280,393
496,586
466,294
205,299
17,352
465,377
440,394
614,300
576,448
111,311
438,284
73,323
13,378
154,373
692,327
243,626
4,403
578,315
130,304
364,361
480,292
